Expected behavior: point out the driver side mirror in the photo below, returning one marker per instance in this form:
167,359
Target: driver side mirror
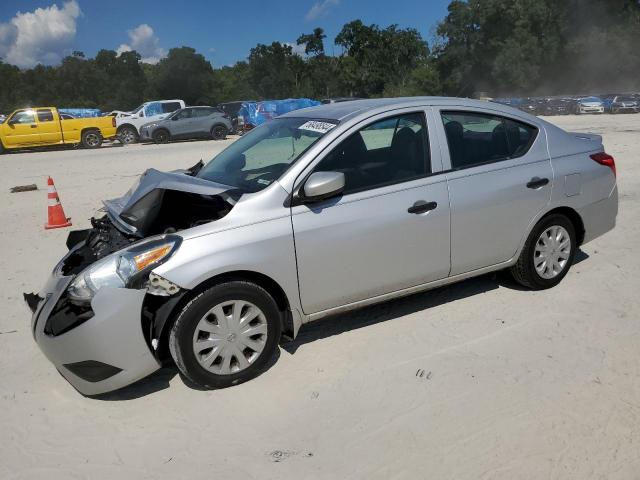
322,185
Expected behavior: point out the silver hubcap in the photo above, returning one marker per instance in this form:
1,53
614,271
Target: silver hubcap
552,252
92,139
127,135
230,337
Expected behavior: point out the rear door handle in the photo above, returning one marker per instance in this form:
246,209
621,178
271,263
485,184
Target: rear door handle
421,207
34,126
537,182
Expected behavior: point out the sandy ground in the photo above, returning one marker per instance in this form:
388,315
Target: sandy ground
480,380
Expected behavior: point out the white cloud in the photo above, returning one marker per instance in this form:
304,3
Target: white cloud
41,36
144,41
297,49
320,9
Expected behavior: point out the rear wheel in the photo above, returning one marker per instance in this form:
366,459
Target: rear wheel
547,254
91,139
161,136
226,335
219,132
128,135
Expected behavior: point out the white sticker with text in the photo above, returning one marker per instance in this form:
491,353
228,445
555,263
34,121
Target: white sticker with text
315,126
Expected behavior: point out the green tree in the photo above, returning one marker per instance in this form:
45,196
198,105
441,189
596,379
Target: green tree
270,70
184,74
313,42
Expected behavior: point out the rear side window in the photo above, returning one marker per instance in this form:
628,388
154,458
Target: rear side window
45,115
477,138
168,107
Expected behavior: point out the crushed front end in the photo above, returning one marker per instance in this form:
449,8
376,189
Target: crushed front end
100,315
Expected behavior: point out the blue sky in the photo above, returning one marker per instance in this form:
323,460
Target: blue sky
223,31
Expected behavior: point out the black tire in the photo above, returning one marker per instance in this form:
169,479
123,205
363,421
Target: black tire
128,135
91,139
524,271
219,132
1,148
161,136
182,333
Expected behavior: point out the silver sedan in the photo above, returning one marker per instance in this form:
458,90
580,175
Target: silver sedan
320,211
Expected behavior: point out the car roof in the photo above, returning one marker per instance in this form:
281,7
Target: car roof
342,111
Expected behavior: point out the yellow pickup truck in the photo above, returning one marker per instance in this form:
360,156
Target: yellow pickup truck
44,126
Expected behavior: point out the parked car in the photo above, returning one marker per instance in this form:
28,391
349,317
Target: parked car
589,105
319,211
534,106
232,109
44,126
621,104
190,122
129,123
559,106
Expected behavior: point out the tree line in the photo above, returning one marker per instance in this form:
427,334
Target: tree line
521,47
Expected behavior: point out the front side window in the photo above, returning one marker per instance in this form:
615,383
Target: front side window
478,138
389,151
24,116
261,156
183,114
154,108
45,115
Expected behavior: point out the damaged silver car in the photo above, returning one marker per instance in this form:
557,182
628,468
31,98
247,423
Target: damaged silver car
322,210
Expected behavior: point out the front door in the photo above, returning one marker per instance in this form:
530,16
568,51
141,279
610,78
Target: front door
389,230
21,129
181,123
500,179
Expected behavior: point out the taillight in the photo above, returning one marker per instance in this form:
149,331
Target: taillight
606,160
113,121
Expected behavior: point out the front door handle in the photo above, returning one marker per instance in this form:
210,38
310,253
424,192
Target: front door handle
421,207
537,182
34,126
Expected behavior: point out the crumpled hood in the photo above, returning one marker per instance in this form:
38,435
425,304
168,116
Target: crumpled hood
137,209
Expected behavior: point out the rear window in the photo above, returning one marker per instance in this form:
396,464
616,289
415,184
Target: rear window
477,138
168,107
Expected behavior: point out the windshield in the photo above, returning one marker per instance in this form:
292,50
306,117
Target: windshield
261,156
626,99
133,112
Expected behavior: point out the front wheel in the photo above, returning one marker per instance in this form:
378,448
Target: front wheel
91,139
219,132
547,254
226,335
161,136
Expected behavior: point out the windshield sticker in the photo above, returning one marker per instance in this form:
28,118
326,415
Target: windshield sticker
315,126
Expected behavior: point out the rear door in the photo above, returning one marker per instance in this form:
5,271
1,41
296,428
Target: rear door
375,239
48,126
21,129
499,178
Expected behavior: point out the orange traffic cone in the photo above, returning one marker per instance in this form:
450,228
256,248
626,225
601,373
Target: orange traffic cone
57,218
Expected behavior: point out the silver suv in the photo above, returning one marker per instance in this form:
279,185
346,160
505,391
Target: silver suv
188,123
322,210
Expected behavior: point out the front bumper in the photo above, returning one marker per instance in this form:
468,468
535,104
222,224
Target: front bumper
112,339
145,135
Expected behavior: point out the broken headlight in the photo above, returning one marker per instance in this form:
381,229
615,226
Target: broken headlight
126,268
